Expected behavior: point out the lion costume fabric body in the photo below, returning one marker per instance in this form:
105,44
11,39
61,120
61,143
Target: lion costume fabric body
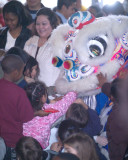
87,46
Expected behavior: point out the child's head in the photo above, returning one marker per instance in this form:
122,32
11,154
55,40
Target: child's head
37,94
19,52
31,69
115,89
28,148
77,113
81,145
67,128
12,66
65,156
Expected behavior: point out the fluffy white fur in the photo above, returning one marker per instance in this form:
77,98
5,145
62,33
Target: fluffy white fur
112,26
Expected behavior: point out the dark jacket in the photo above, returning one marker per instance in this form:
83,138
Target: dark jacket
117,124
20,41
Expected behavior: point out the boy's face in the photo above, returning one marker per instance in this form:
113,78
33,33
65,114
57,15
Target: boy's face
70,10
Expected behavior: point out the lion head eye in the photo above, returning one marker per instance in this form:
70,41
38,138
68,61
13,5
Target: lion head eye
97,46
67,48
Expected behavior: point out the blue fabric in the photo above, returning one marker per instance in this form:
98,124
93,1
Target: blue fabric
101,99
93,126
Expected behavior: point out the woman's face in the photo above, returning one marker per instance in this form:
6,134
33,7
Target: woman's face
70,149
11,20
43,26
34,71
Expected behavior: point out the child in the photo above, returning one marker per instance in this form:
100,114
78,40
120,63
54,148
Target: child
81,145
116,128
15,108
88,120
28,148
31,70
85,117
39,128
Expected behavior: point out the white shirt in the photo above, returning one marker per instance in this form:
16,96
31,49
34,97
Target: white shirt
10,41
48,73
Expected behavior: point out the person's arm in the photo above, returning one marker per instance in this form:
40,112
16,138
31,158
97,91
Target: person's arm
105,86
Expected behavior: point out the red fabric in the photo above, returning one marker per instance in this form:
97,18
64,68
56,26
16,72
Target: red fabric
15,109
2,24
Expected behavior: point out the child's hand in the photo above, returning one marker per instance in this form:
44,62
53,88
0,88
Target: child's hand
41,113
56,146
101,140
102,79
80,101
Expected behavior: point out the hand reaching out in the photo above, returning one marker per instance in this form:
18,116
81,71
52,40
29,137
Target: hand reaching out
101,140
41,113
102,79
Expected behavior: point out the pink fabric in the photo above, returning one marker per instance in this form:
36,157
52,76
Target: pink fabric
39,127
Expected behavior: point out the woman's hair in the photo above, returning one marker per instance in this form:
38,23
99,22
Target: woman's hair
28,148
67,128
77,113
84,146
50,14
19,10
65,156
35,91
31,63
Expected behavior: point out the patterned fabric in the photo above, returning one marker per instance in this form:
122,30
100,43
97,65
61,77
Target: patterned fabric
39,127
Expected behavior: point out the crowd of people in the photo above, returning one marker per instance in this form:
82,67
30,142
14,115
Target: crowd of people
27,83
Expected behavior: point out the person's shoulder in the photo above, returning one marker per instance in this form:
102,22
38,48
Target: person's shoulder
3,30
32,40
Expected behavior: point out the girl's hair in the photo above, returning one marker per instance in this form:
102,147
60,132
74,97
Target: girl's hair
17,8
67,128
66,156
35,91
31,63
84,146
50,14
28,148
77,113
115,89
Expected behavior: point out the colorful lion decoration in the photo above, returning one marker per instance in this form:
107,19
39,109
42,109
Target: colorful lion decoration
86,46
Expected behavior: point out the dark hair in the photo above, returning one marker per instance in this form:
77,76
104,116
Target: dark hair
28,148
116,9
84,146
115,89
66,3
28,67
50,14
11,62
35,91
66,156
67,128
20,52
94,9
77,113
18,9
